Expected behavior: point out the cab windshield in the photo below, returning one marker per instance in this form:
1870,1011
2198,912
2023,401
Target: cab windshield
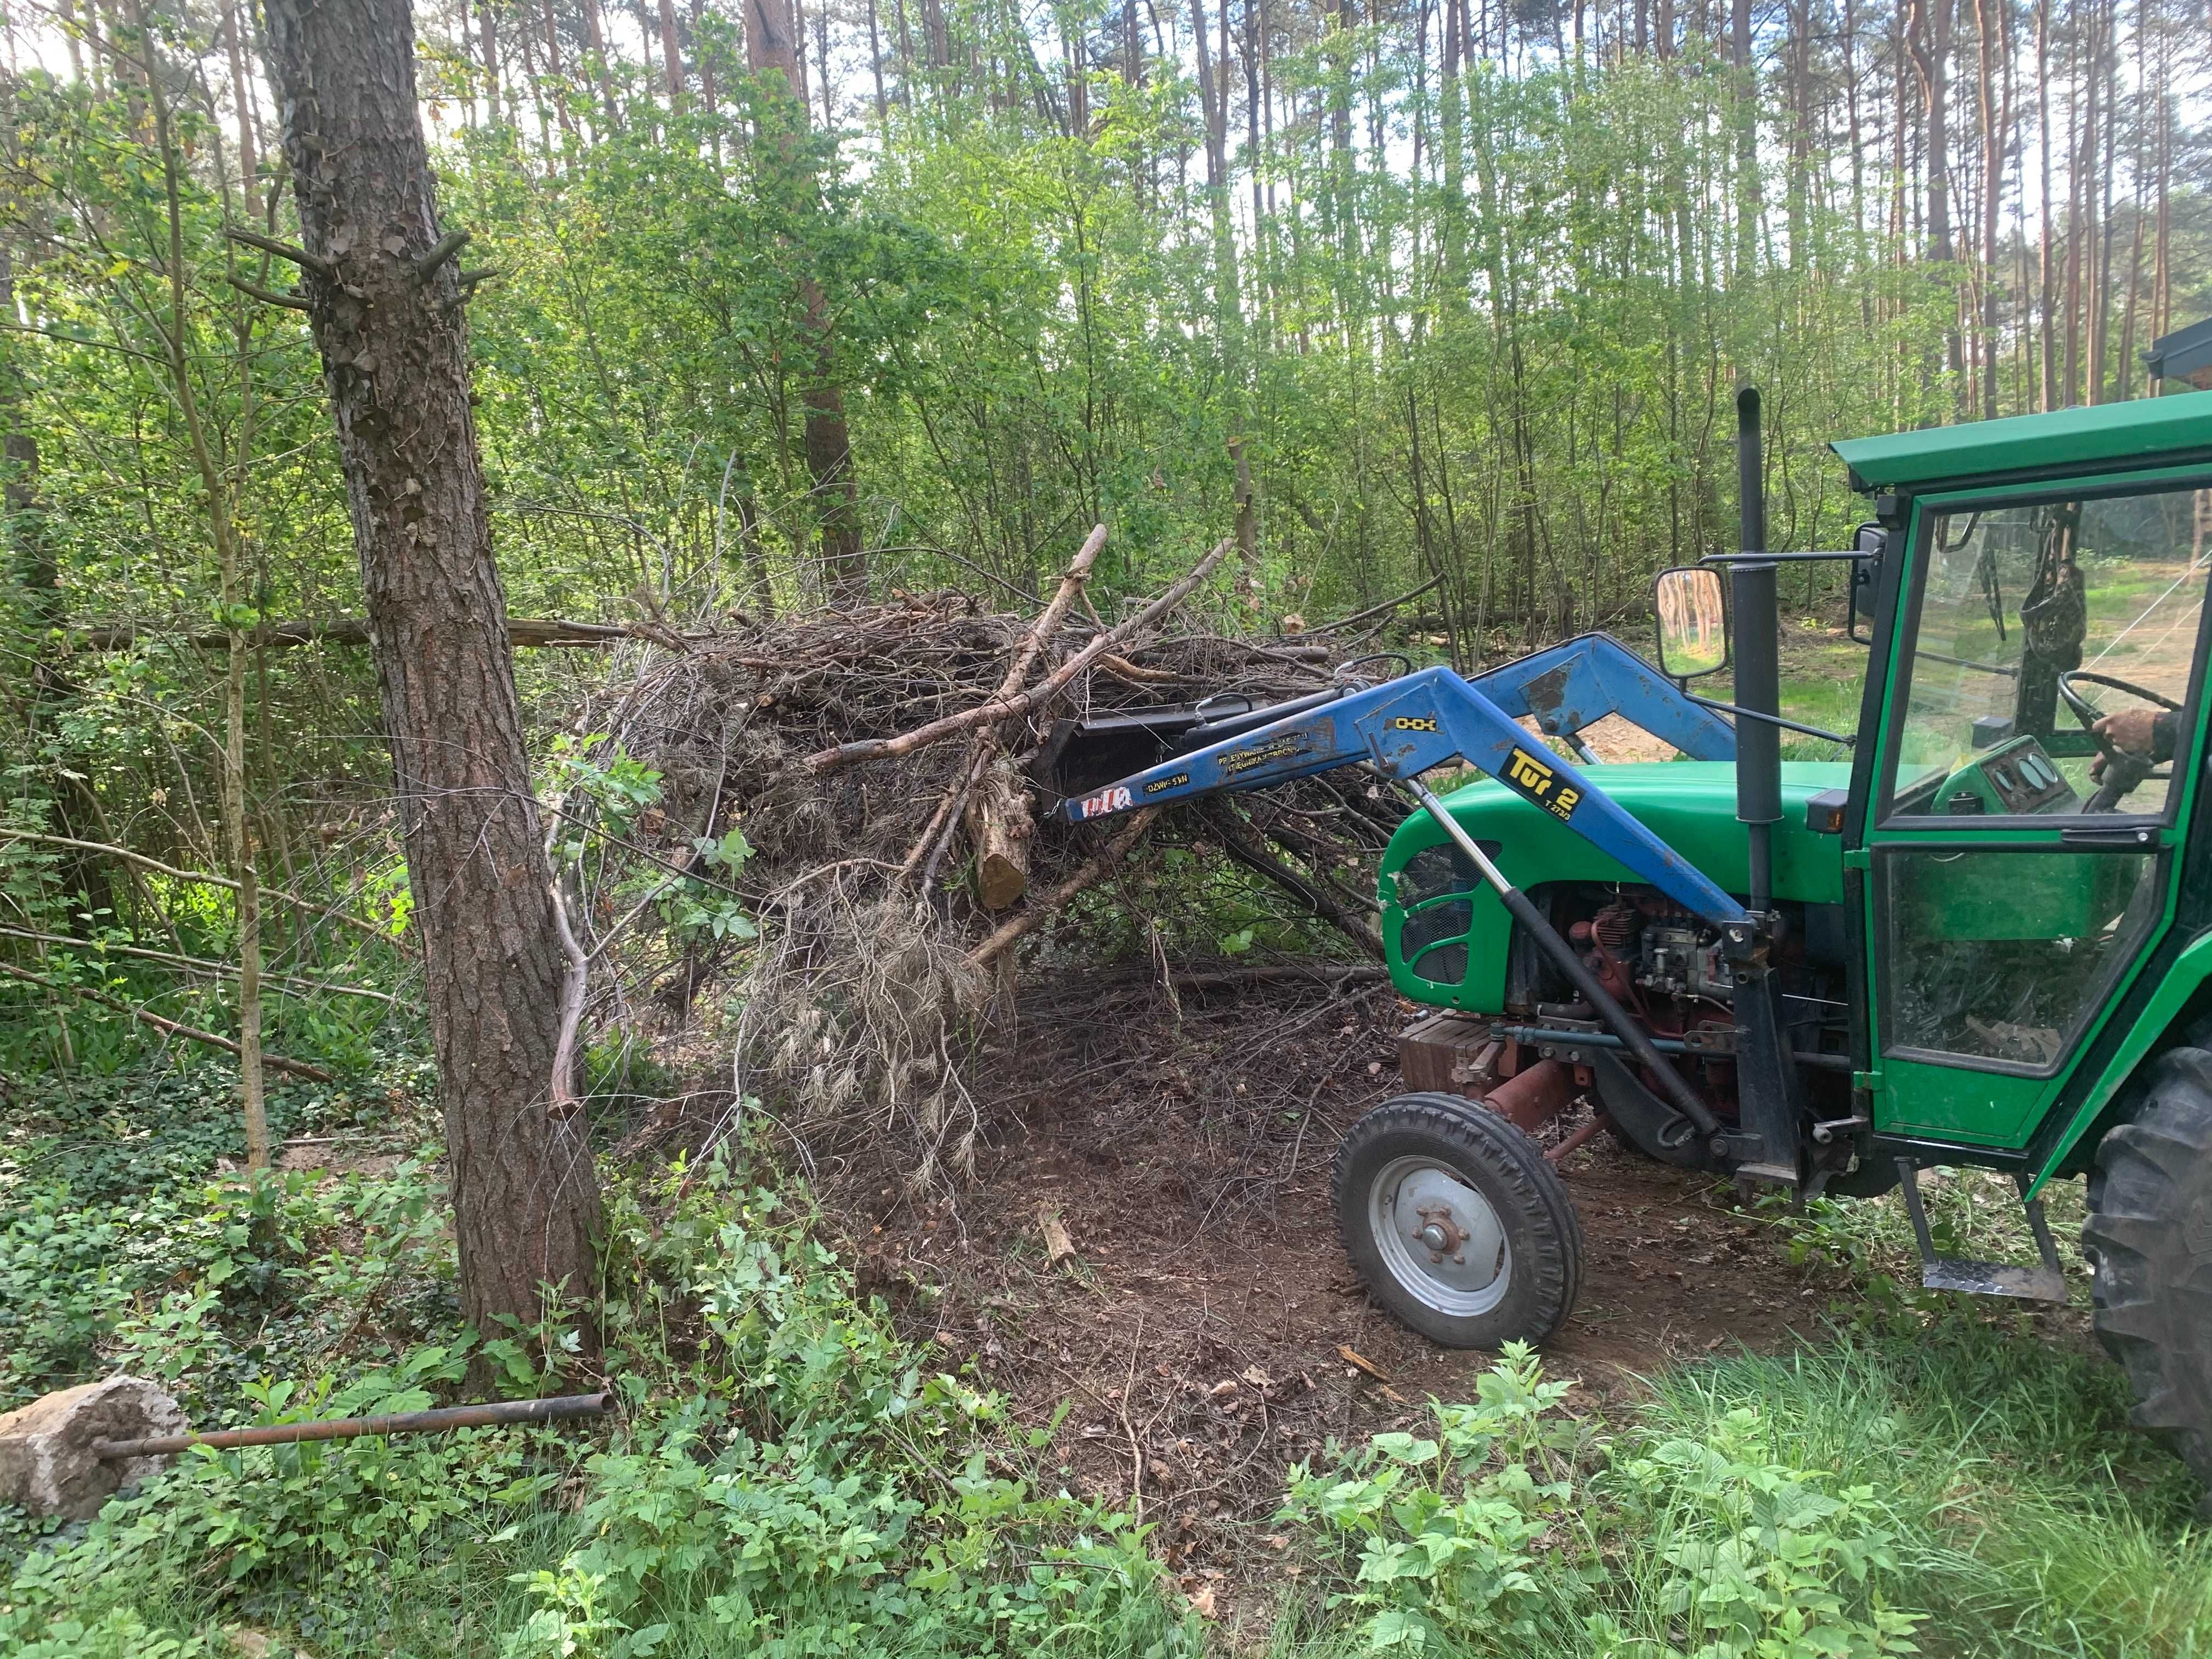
2055,640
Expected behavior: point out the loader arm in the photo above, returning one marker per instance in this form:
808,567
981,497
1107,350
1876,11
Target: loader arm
1405,728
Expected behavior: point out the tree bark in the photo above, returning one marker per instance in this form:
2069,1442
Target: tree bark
395,361
671,53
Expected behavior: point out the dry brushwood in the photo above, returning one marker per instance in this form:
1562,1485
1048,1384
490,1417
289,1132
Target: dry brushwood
892,872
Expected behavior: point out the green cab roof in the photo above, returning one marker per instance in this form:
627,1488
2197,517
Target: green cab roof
2173,430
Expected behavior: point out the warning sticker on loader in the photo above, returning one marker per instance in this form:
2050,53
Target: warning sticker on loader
1539,781
1283,747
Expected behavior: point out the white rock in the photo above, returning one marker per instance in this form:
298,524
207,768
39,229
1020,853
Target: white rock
46,1463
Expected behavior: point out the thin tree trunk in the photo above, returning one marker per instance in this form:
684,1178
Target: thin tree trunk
241,92
595,41
671,54
2071,390
876,66
1930,41
395,363
176,334
1744,113
488,35
771,42
1992,43
2046,274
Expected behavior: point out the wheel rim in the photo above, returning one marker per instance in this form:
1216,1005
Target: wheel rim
1439,1237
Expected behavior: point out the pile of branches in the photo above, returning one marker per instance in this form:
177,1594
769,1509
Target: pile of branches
883,764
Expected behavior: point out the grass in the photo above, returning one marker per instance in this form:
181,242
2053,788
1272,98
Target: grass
2031,1519
1988,1483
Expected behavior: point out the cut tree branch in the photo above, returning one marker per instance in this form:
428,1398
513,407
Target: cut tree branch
299,256
275,1062
441,250
268,297
573,983
1009,882
1376,609
1009,708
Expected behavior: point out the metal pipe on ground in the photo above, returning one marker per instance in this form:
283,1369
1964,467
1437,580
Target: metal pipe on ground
1574,1142
558,1410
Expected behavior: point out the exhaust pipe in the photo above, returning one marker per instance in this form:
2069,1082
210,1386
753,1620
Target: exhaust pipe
1757,617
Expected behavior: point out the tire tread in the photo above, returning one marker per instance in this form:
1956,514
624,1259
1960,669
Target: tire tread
2151,1172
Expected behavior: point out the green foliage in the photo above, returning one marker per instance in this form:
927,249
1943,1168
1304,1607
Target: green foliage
1765,1560
787,1478
1491,1535
1438,1547
158,1263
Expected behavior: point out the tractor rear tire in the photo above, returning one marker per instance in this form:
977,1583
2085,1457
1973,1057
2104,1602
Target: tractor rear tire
2149,1236
1456,1222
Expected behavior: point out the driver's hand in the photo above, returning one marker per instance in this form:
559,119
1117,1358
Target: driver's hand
2130,729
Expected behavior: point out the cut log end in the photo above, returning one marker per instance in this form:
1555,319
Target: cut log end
999,826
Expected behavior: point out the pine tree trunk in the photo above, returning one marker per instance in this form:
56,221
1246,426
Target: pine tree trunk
394,348
2046,276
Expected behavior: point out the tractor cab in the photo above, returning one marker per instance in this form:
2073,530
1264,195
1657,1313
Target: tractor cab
2023,781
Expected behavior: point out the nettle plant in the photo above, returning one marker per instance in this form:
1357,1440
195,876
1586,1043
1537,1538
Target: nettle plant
1433,1539
1492,1533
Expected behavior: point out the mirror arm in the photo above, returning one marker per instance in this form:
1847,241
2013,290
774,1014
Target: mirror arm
1782,558
1773,719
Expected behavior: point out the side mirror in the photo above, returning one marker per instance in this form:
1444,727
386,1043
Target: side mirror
1869,543
1692,607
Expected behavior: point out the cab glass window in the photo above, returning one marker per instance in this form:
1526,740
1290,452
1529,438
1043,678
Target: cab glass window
2051,657
2000,956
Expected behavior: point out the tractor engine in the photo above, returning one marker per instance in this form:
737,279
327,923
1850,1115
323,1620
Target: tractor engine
1648,953
1684,961
1670,970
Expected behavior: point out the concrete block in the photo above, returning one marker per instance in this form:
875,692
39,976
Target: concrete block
46,1463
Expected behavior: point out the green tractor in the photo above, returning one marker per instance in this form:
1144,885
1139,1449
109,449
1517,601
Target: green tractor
1984,939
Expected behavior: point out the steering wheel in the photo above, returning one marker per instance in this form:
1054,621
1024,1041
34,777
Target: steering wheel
2123,769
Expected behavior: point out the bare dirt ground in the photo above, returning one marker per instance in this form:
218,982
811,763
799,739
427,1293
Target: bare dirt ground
1199,1331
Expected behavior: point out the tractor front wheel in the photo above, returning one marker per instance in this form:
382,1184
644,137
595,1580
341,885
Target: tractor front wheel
2149,1235
1456,1222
